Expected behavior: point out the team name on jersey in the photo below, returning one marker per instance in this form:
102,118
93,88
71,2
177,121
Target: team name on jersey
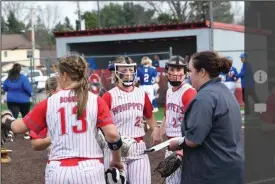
127,107
68,99
176,108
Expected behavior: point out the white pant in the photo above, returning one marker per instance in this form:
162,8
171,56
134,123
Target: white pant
231,86
88,172
149,89
175,178
136,165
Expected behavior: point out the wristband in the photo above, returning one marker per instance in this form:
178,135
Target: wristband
8,123
115,145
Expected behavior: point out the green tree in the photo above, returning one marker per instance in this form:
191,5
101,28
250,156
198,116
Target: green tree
165,18
90,19
186,11
111,15
13,25
114,15
4,28
43,37
67,24
221,11
59,27
136,14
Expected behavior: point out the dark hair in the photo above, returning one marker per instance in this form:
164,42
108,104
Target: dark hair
189,55
14,72
211,62
76,67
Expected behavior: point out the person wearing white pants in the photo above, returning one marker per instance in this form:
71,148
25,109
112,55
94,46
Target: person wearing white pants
230,79
147,76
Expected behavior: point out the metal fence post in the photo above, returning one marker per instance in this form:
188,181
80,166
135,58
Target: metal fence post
170,52
32,82
48,66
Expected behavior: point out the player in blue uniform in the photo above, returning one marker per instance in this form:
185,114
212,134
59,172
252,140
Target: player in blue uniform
147,75
156,90
231,78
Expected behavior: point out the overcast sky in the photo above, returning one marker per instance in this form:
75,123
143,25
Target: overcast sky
69,8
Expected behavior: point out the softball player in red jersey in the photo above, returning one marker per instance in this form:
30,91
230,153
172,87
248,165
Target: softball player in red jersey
177,99
73,116
128,105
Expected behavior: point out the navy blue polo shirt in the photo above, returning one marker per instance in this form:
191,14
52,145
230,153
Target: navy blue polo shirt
213,121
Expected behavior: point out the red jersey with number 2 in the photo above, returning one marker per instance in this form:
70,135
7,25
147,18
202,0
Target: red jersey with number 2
71,137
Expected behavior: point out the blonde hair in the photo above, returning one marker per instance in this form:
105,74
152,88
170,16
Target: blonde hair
51,84
76,67
146,60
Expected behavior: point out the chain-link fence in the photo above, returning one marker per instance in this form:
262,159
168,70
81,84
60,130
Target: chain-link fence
38,70
99,66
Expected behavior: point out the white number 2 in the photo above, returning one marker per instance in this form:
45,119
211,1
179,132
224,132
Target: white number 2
146,77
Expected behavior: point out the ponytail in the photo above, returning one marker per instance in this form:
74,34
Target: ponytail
82,92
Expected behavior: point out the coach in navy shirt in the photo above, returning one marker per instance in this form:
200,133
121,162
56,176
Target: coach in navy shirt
212,135
247,81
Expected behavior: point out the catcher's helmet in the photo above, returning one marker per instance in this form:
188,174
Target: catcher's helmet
176,62
115,176
125,70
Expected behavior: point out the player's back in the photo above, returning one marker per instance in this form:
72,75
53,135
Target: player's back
72,137
146,75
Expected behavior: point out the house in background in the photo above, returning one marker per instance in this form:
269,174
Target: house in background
17,49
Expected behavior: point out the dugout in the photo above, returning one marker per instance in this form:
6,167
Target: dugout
105,44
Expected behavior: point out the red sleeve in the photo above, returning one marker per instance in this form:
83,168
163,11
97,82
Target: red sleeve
188,96
35,120
108,99
103,114
148,107
41,134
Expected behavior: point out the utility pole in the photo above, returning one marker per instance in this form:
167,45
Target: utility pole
1,57
79,15
32,35
211,32
98,15
32,57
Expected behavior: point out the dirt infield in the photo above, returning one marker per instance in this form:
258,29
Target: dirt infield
28,166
